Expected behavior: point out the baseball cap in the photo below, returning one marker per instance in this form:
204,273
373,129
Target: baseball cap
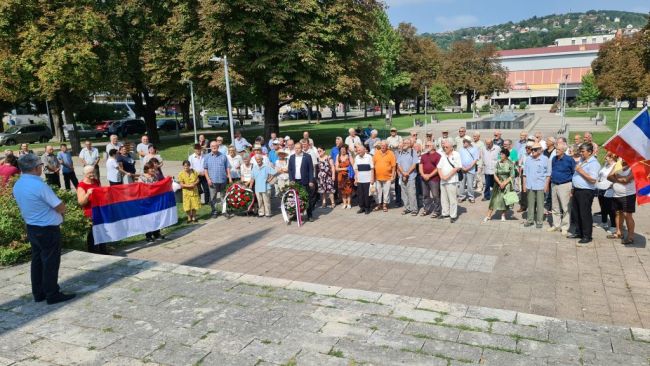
393,129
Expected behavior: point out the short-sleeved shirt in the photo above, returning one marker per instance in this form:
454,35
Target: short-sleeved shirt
110,147
591,167
89,156
142,148
128,164
351,141
261,174
241,144
406,159
490,158
363,165
6,172
216,164
562,169
66,159
196,162
447,164
50,163
384,164
536,171
394,142
467,156
112,171
37,201
429,162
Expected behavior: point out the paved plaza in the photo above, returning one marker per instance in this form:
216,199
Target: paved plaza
136,312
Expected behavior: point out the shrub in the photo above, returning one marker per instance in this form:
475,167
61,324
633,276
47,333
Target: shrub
523,105
485,108
14,247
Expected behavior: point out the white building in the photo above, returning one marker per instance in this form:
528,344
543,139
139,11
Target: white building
594,39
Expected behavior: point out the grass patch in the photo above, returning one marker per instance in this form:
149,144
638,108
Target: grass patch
335,353
107,330
92,348
432,311
518,337
266,341
374,327
491,320
117,316
363,301
292,362
405,319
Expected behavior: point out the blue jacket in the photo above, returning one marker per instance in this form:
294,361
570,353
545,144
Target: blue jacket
306,170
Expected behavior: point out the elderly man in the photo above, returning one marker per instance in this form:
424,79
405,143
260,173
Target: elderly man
271,139
520,146
458,141
291,146
142,149
562,171
539,138
372,141
384,162
394,140
24,149
406,165
89,155
590,139
216,170
305,136
364,177
113,143
490,156
448,168
480,146
497,138
584,186
51,167
301,171
537,176
307,148
273,151
43,213
241,144
428,169
514,155
469,156
334,153
67,167
414,138
260,183
352,140
223,149
443,138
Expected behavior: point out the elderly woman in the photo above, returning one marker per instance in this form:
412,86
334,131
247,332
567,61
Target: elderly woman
606,193
326,176
344,183
504,176
84,191
152,153
148,176
235,161
246,170
372,141
8,169
624,202
281,170
126,165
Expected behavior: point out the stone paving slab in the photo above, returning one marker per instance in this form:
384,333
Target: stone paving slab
143,312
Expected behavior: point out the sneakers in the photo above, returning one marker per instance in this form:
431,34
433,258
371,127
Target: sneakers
503,217
552,229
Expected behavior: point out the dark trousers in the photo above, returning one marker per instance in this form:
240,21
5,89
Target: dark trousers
431,196
606,209
70,177
313,198
487,189
582,200
204,188
90,244
114,183
523,196
46,258
418,187
363,191
53,179
398,192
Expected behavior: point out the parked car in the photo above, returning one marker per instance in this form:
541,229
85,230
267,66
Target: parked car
83,130
300,114
25,133
126,127
222,122
169,124
103,126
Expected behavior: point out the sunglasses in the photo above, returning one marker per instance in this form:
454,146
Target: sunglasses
537,149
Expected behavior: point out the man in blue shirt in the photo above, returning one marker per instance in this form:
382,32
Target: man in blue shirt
216,169
563,168
43,213
65,158
584,186
273,153
469,156
240,143
260,184
536,182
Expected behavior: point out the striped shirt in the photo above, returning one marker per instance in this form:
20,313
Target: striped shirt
363,165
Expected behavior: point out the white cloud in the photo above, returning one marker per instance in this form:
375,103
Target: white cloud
400,3
457,21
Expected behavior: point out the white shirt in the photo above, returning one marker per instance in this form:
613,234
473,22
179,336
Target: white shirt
444,166
246,172
623,190
298,162
351,141
112,171
196,162
314,156
490,156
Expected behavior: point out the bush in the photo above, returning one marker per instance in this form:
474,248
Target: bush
485,108
14,247
523,105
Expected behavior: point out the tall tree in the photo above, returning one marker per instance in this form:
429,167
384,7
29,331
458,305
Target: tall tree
388,45
289,48
439,96
473,71
589,92
619,70
52,54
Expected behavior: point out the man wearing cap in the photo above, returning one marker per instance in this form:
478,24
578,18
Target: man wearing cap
301,171
273,151
469,156
458,141
43,213
537,176
240,143
443,138
584,186
259,150
394,142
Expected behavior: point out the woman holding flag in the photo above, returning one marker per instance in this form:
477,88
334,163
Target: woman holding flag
624,201
148,176
84,191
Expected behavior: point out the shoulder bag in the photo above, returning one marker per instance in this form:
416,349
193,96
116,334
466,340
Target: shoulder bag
460,172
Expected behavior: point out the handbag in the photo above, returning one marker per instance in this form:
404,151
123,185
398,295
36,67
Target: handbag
460,172
511,198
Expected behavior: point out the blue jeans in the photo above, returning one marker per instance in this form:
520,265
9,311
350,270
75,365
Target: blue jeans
489,183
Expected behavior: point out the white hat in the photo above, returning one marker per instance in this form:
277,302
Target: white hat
283,151
276,142
467,138
287,138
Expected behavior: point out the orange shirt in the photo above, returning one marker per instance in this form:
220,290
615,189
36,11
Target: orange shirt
384,164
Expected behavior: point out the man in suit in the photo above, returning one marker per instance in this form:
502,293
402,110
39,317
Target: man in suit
301,171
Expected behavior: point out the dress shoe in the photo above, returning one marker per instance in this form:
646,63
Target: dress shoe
361,210
453,219
584,241
574,236
310,219
539,226
367,212
60,297
528,224
39,298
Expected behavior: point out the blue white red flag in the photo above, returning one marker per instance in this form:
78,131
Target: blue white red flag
122,211
641,171
632,142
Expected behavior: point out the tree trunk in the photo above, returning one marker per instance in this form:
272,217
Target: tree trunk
68,111
318,114
184,105
57,120
148,112
308,113
398,103
365,109
333,109
345,111
470,100
417,105
271,110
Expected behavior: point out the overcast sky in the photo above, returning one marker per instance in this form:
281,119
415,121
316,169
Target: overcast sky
442,15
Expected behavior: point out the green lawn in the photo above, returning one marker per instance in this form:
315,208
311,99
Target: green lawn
323,134
610,113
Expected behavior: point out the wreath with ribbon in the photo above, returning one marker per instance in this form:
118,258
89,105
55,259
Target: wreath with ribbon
238,198
294,202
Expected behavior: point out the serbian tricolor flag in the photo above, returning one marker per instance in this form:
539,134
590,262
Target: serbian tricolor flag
641,171
632,142
126,210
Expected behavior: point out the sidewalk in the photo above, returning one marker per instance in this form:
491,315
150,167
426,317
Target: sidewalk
133,312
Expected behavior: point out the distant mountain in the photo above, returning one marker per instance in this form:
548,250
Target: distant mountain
542,31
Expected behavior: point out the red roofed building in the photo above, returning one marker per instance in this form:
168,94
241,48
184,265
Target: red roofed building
535,75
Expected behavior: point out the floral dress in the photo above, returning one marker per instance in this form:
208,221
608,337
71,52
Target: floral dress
191,198
325,181
503,170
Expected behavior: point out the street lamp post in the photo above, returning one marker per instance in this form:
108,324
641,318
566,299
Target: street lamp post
225,68
196,140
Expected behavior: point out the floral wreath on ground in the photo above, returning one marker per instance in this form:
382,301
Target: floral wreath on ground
238,198
289,199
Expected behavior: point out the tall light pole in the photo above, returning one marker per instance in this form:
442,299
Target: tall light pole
196,140
225,68
563,93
